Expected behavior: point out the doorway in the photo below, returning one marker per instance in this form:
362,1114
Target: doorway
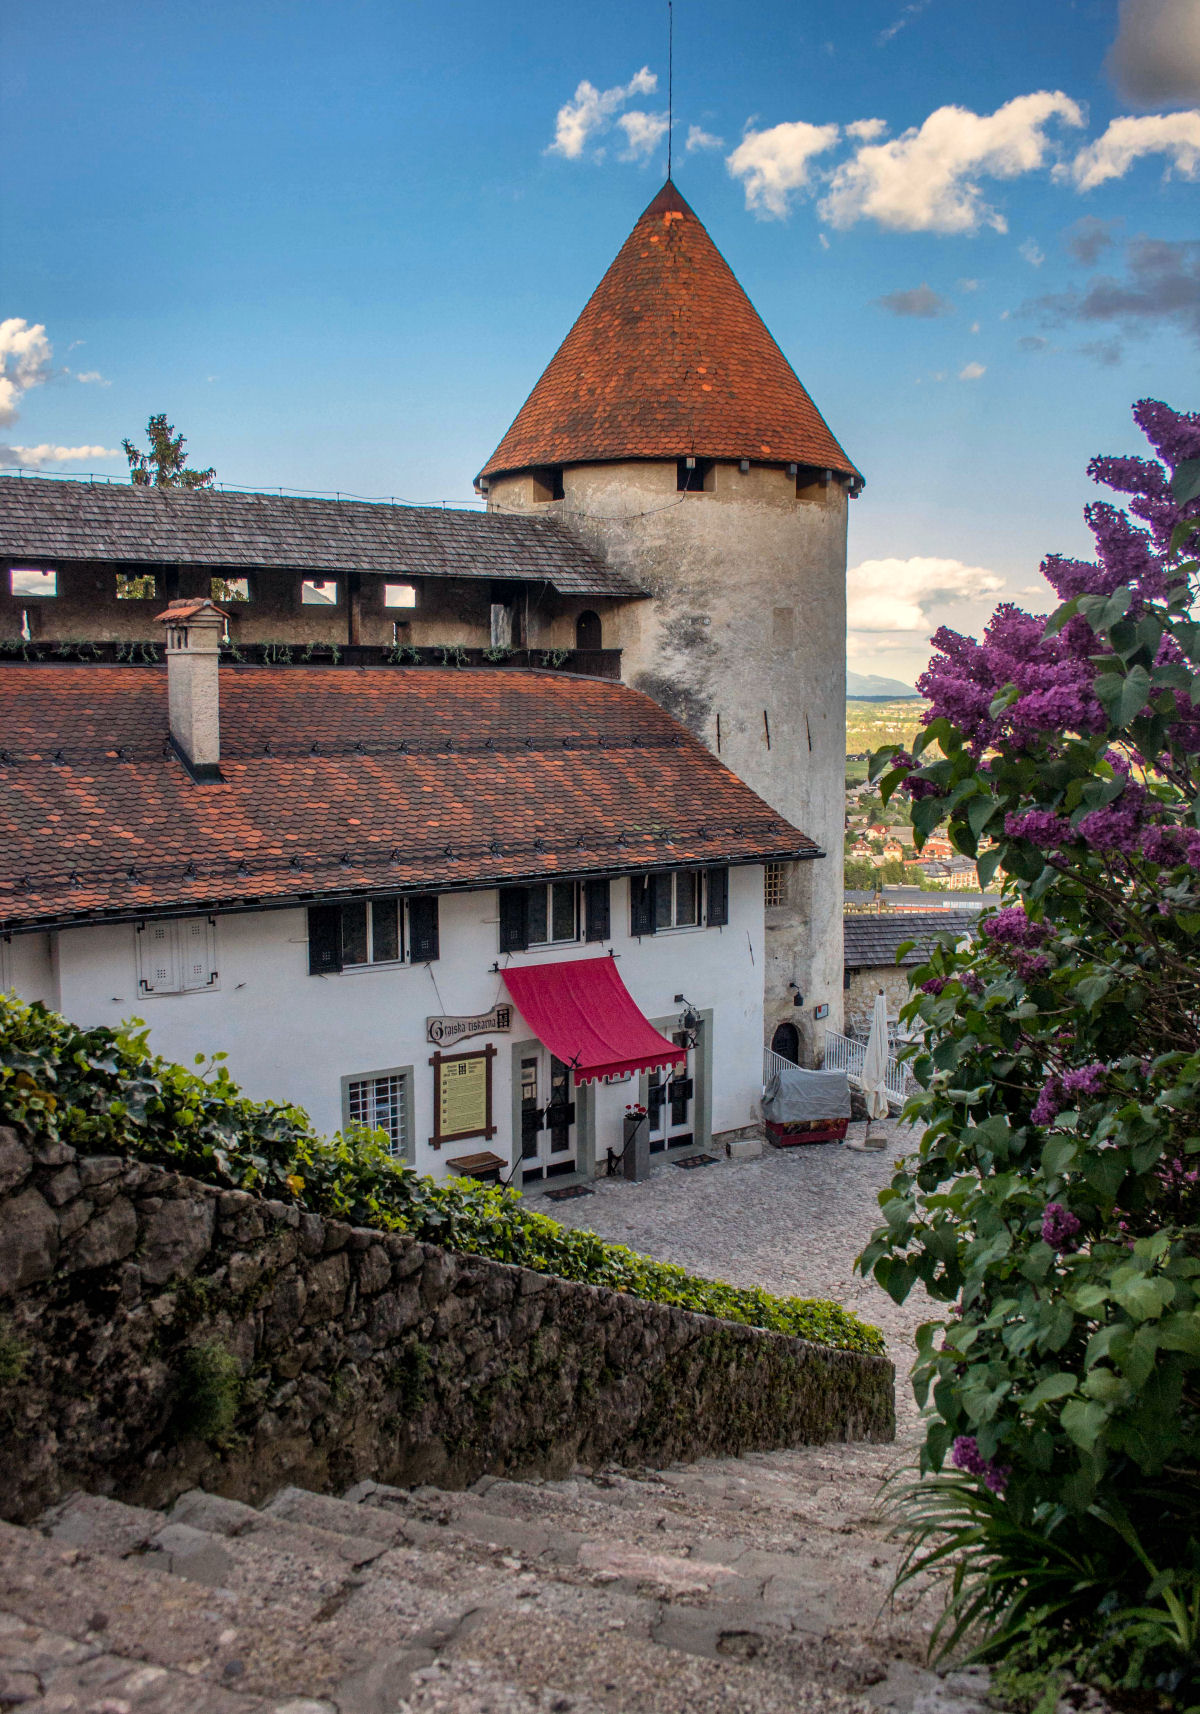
786,1043
671,1103
549,1142
587,631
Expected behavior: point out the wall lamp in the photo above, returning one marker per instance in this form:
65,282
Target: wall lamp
689,1021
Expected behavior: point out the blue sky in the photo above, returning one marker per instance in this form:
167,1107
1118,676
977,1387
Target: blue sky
337,244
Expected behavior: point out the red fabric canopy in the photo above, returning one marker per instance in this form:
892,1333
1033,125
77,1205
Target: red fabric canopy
586,1016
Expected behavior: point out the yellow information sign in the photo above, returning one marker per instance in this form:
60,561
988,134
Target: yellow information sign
464,1102
462,1095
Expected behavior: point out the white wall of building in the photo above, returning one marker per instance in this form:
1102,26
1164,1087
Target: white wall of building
289,1036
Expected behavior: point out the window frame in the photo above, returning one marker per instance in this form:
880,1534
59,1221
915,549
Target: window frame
50,571
775,886
415,946
321,601
567,940
406,1151
644,891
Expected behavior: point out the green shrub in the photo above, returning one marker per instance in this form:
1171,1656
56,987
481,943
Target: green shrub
210,1386
103,1092
1053,1205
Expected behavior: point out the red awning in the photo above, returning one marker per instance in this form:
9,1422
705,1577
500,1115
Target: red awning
586,1016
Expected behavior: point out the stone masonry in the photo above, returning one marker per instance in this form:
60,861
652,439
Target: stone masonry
159,1334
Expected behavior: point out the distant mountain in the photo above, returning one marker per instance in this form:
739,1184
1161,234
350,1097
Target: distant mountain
870,684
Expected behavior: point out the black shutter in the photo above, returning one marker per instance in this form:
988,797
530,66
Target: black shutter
324,939
596,907
514,919
718,898
423,928
641,904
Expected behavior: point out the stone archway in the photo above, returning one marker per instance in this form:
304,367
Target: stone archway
786,1043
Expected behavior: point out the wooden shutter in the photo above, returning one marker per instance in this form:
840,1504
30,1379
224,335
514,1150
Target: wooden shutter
197,964
324,939
158,958
514,919
423,947
641,904
597,914
718,898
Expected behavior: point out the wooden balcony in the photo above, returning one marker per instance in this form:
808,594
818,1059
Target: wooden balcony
591,663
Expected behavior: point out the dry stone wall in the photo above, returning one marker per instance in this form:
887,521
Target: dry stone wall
157,1334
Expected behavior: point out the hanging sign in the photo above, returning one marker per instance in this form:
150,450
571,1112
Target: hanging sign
462,1096
445,1032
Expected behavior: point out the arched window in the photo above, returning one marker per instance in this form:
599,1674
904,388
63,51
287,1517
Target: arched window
587,631
786,1043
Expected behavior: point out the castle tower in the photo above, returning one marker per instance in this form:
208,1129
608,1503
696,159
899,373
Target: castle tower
670,432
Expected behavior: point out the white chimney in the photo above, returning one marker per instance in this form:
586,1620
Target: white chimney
194,632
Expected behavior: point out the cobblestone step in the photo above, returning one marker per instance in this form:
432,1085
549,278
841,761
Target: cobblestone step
686,1591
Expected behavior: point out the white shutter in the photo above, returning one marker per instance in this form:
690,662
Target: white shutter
158,958
196,959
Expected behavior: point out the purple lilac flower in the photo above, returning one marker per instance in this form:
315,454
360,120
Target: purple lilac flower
1041,827
934,985
1118,826
1049,1103
1028,965
1059,1226
1085,1079
971,982
965,1455
1011,927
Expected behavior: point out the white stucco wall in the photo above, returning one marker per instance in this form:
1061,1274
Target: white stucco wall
292,1037
747,626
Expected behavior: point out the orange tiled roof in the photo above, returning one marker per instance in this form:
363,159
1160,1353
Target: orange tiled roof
668,358
342,781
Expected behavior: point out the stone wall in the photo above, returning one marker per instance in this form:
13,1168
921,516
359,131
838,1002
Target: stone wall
156,1334
862,988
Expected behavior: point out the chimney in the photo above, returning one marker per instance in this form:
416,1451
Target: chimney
194,632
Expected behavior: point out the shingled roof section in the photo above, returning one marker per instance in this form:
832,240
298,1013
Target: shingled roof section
339,782
870,940
668,358
42,519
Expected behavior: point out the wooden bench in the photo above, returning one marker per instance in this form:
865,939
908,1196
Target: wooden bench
486,1167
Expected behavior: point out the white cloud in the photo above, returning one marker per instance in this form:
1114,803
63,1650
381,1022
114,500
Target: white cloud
928,179
1032,254
822,241
866,130
1155,59
968,285
92,377
25,355
972,371
773,163
591,111
907,14
643,133
33,457
1175,135
890,595
699,138
974,327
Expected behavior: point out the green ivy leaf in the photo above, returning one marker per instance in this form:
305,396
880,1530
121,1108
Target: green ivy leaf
1059,1386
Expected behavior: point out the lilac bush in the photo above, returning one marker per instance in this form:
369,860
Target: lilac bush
1054,1202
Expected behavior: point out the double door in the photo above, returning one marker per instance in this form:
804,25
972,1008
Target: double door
548,1132
671,1103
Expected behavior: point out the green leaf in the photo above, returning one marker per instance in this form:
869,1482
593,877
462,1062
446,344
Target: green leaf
987,864
1144,1298
1059,1386
1185,484
1084,1421
1092,990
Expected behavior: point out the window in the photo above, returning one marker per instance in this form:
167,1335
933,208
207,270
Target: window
694,475
553,913
678,898
177,956
364,932
229,589
382,1102
136,586
812,485
26,580
548,913
399,595
774,885
587,631
319,592
548,483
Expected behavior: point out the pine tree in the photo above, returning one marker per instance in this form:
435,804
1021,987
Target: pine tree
163,466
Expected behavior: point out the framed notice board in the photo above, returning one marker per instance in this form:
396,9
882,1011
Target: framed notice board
462,1096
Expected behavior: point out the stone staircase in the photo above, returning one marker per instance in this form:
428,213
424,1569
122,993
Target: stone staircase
737,1586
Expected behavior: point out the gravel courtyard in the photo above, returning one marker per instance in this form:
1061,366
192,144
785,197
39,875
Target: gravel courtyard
792,1222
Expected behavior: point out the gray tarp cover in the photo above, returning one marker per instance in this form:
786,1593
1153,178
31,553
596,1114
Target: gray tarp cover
798,1094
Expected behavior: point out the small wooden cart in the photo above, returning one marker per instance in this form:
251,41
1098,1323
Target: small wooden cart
789,1134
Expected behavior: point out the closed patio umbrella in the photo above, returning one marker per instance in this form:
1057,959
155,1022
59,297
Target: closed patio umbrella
875,1068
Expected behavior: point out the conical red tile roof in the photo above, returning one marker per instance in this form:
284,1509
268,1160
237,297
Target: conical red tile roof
668,358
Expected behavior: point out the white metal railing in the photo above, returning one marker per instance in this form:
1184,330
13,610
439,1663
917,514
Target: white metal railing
773,1062
843,1053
